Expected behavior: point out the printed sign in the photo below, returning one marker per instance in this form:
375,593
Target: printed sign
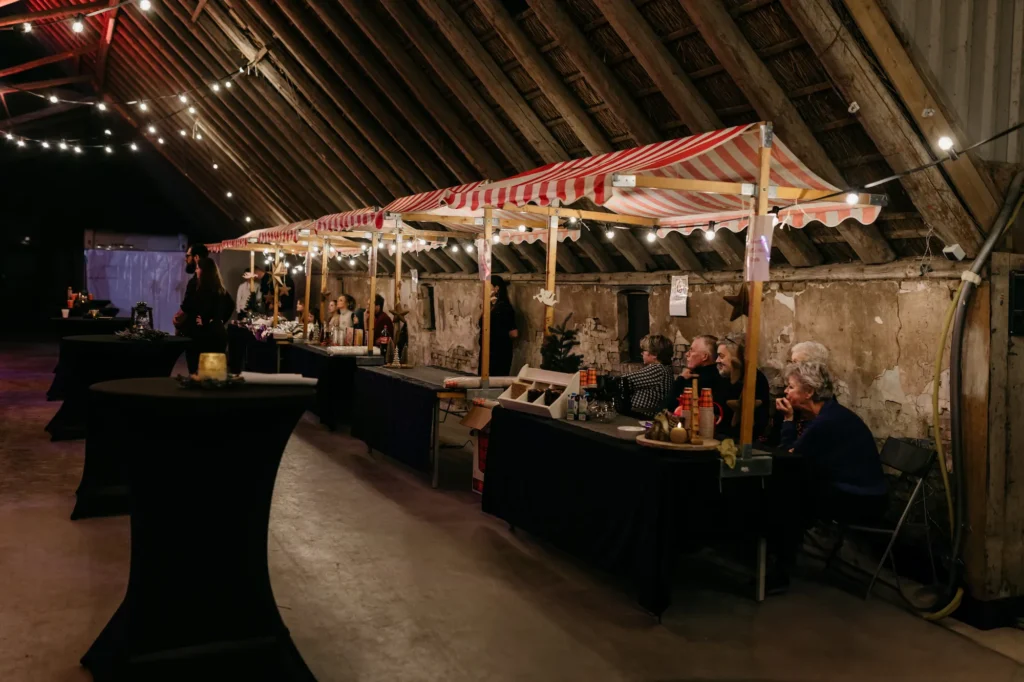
759,248
679,295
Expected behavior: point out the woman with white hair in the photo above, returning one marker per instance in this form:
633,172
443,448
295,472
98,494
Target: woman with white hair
809,351
847,483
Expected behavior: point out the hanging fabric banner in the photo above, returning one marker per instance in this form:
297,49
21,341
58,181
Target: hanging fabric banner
759,249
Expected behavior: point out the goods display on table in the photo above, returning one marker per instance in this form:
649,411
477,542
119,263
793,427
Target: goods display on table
541,392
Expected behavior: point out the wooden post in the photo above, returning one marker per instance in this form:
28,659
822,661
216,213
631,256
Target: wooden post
754,316
369,316
485,327
324,268
398,272
273,277
549,311
309,281
252,270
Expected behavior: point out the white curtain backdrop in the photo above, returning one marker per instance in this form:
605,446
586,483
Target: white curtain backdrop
127,277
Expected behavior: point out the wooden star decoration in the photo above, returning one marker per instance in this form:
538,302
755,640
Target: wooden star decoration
740,303
398,314
283,290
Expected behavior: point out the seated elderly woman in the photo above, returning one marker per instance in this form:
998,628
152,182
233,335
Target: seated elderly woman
845,472
649,386
809,351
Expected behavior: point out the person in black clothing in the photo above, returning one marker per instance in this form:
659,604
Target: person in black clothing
503,329
184,322
210,310
700,365
731,366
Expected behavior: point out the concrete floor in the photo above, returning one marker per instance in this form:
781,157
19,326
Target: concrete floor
381,578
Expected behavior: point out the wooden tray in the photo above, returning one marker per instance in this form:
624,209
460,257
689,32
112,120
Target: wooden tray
709,444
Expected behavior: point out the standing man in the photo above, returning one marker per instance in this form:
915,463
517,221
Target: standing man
700,365
185,318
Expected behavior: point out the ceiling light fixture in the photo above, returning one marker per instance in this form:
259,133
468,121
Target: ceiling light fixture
53,99
78,25
651,236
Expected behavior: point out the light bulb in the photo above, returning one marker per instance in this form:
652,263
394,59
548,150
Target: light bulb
610,233
295,271
152,129
852,198
143,106
651,236
227,84
78,25
455,248
495,239
241,69
26,27
192,110
423,242
215,166
182,98
352,261
215,87
469,248
521,228
78,150
63,146
248,219
21,143
107,132
229,195
53,99
134,147
101,106
46,145
362,247
709,233
182,132
268,261
299,268
945,143
160,140
9,137
199,136
109,150
145,5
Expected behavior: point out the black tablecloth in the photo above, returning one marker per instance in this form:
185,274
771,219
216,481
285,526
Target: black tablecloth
245,352
394,412
618,505
335,375
201,465
76,326
86,360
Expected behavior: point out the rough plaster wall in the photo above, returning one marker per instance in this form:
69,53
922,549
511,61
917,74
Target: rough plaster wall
882,334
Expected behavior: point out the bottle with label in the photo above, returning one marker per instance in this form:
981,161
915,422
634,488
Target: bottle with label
583,405
570,407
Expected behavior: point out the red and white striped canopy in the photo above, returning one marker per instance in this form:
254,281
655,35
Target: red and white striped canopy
727,155
361,218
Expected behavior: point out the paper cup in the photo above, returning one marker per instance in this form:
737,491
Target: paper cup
64,312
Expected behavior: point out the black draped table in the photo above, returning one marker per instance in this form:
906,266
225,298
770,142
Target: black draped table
246,352
76,326
201,465
398,412
589,489
86,360
335,375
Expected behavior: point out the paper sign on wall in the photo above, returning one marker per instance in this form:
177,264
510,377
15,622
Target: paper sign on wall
414,277
679,295
483,250
759,248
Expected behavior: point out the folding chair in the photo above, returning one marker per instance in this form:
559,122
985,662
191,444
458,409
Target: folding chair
913,458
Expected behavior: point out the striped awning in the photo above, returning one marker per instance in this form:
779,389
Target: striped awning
727,155
359,219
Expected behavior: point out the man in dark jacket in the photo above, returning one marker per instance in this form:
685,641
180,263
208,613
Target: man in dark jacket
731,364
185,318
700,365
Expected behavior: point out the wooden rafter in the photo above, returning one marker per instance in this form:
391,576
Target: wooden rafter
758,84
547,79
46,84
883,119
676,246
425,91
53,59
108,36
198,10
494,80
971,182
664,70
597,73
39,114
54,13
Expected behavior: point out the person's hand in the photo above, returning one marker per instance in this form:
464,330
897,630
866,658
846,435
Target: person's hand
784,408
687,374
179,318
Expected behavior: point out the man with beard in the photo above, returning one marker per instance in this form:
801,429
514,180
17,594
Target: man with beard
185,318
730,364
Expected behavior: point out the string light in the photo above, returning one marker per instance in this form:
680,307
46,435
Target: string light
63,146
352,262
134,147
182,98
199,136
26,27
609,233
709,234
143,106
215,167
945,143
455,248
227,84
46,145
852,198
423,242
109,150
101,106
572,220
145,5
78,25
362,247
53,99
182,132
192,110
521,228
216,87
152,129
651,236
21,143
160,140
78,150
229,195
469,248
9,137
495,239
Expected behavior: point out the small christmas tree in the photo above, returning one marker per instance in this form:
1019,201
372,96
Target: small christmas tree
556,351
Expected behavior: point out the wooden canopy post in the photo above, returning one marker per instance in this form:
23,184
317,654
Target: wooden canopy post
252,270
368,316
309,281
549,311
273,278
485,327
398,272
754,314
324,267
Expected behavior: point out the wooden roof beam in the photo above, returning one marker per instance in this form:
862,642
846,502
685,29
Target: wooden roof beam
435,138
54,13
598,75
594,249
664,70
494,80
676,246
345,163
547,79
971,182
508,258
362,13
883,119
46,112
630,247
460,257
566,259
441,260
108,37
383,120
53,59
745,67
370,143
45,84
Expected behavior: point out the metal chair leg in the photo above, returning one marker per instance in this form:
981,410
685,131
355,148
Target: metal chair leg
892,539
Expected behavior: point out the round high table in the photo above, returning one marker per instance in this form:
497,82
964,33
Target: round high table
201,464
86,360
75,326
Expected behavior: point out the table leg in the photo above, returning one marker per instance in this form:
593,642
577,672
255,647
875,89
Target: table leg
762,567
435,441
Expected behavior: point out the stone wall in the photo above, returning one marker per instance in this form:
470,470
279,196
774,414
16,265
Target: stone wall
882,331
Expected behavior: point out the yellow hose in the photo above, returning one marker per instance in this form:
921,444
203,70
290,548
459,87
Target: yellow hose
935,405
